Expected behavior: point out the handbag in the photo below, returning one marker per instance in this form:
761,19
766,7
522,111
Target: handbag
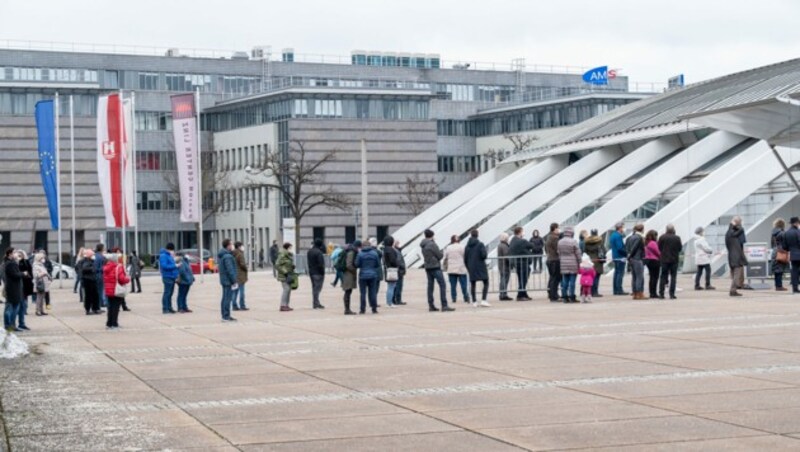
782,256
392,274
120,290
40,286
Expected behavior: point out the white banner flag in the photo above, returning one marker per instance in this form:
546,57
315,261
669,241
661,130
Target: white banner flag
184,129
115,176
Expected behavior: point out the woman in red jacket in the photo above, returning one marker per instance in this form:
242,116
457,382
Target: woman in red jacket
113,273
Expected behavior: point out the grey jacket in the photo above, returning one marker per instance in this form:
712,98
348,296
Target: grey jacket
431,254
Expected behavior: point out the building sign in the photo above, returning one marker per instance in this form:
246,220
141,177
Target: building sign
757,260
599,75
675,82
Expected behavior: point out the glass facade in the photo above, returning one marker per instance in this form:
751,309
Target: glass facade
39,74
22,104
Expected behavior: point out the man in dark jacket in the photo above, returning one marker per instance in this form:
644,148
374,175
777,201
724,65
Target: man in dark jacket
670,246
521,250
503,266
273,257
12,280
350,274
401,274
736,257
227,279
432,256
791,243
619,255
553,262
316,270
634,247
475,260
99,263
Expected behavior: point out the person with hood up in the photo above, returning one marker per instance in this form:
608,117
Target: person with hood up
241,277
634,248
373,242
185,281
503,266
316,271
350,274
587,273
392,259
597,254
702,258
456,269
169,274
537,242
553,262
475,260
569,256
286,272
227,278
368,262
432,257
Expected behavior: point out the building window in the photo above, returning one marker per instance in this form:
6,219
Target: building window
318,233
148,81
383,231
349,234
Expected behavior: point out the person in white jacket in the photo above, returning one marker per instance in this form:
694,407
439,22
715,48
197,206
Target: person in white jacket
455,268
41,282
702,257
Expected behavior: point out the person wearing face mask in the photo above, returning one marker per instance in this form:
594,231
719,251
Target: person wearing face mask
241,277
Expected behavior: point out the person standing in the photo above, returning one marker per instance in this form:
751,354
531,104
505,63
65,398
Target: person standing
335,256
91,299
368,262
48,266
537,242
285,265
350,274
617,243
597,255
227,278
734,243
401,275
316,271
169,274
569,256
261,258
185,281
587,273
99,263
670,246
777,245
41,282
392,264
475,260
113,274
77,288
521,250
432,257
136,272
241,277
634,248
456,269
553,262
702,258
12,280
503,266
582,240
273,257
791,242
28,292
373,242
652,258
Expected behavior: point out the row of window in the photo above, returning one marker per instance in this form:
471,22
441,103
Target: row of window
418,61
36,74
156,161
152,81
153,120
464,164
239,199
241,157
157,200
23,104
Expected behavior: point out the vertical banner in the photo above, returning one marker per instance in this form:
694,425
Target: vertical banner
184,129
46,132
112,162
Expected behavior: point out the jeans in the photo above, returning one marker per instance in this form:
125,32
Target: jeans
637,275
113,311
10,314
368,288
22,311
460,280
435,274
390,288
286,294
183,292
668,270
737,278
505,275
619,274
473,283
166,299
778,280
523,272
700,270
398,290
316,287
795,275
238,294
337,278
77,284
225,302
554,270
568,285
654,268
596,284
136,284
101,290
537,264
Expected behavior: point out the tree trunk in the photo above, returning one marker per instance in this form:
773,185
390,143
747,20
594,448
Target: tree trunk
296,235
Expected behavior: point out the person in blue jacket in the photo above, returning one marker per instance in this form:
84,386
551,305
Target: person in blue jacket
169,275
227,278
185,281
368,262
99,262
618,255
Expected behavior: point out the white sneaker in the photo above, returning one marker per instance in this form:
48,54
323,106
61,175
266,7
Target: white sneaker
485,304
474,304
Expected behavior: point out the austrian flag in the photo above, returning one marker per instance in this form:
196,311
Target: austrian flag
114,165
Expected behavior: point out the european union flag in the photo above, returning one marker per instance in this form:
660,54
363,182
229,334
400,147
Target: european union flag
46,129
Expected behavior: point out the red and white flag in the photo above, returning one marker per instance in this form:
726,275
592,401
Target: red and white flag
114,166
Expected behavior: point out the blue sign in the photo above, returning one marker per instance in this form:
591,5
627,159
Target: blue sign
599,75
676,82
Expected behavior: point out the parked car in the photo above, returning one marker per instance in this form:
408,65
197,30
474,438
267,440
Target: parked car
62,271
194,263
194,252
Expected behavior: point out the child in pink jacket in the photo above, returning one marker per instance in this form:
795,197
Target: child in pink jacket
587,273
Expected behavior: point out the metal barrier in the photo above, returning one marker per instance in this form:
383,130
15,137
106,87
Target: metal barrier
537,280
301,264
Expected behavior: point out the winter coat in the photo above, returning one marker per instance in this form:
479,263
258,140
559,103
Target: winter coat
454,259
85,270
40,274
185,276
227,268
166,265
284,265
112,272
316,262
791,242
702,251
380,263
776,243
392,257
241,266
569,255
587,276
368,262
136,266
475,260
431,254
634,247
27,280
520,247
538,245
401,262
350,274
651,251
12,282
503,264
596,252
551,246
670,246
733,243
617,246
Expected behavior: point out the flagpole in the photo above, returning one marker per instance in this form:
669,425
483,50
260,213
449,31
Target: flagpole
200,177
72,169
122,154
135,193
58,194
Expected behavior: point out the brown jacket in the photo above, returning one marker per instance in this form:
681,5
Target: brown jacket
241,266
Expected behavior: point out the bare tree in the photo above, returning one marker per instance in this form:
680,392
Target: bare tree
296,176
417,194
519,142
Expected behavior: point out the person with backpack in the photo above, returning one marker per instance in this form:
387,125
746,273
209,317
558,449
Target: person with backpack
347,266
335,256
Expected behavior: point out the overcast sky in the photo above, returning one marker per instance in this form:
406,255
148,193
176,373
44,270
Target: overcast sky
648,40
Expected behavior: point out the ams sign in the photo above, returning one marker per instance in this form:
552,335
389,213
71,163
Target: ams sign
599,75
